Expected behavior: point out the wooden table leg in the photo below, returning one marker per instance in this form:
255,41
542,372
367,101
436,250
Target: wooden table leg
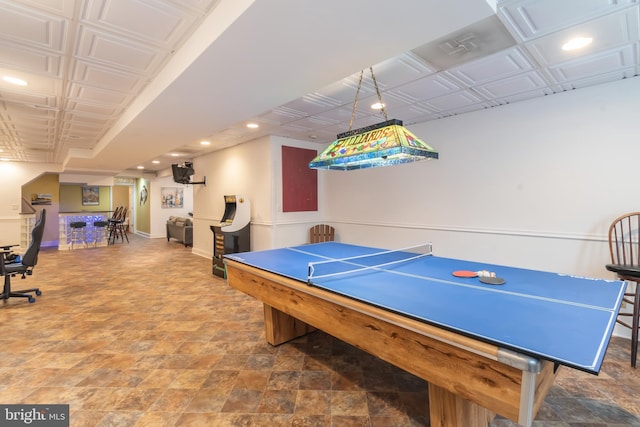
280,327
448,410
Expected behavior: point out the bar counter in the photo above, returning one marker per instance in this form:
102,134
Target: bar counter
91,232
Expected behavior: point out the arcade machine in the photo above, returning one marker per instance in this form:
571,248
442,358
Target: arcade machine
232,235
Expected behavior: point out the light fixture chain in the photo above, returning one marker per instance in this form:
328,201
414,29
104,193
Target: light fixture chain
375,83
355,103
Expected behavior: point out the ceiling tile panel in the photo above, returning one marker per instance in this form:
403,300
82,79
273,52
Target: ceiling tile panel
342,116
527,82
412,113
600,78
326,134
273,117
36,147
117,52
318,100
100,110
79,119
365,83
30,137
312,103
75,128
534,18
64,8
199,6
468,109
401,69
429,87
32,27
36,84
285,114
603,63
32,99
313,122
453,101
391,101
26,112
35,156
106,78
299,127
73,135
24,129
163,24
614,30
18,57
360,121
91,58
497,66
341,92
97,95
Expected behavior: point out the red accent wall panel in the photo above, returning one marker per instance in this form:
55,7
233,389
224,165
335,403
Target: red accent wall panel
299,183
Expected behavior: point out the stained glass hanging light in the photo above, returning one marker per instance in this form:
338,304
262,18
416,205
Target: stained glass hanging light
383,144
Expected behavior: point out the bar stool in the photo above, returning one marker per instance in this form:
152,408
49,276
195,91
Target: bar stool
100,228
78,233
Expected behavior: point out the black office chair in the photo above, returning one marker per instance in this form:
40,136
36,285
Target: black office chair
26,264
624,246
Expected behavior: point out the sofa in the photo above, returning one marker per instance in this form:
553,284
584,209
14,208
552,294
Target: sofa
180,229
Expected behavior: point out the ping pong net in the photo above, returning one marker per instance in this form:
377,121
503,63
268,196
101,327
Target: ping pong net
378,261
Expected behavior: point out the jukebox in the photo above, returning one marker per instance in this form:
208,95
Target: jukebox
232,235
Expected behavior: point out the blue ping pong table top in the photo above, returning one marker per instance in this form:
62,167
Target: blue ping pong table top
565,319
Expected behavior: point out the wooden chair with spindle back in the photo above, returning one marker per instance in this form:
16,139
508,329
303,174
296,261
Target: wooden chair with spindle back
624,246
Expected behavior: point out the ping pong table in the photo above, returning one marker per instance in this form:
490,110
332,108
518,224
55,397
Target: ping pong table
483,349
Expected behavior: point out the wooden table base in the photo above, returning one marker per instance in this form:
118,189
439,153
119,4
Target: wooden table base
469,380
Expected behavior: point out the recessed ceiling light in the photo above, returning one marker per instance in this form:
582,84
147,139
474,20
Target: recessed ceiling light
4,159
253,125
205,143
377,106
155,162
174,154
14,80
577,43
140,167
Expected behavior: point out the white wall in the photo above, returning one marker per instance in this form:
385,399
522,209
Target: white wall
159,215
14,176
533,184
241,170
512,183
253,170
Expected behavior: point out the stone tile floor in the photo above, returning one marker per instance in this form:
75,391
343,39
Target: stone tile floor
142,334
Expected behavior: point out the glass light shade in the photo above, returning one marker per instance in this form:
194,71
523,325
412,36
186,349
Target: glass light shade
384,144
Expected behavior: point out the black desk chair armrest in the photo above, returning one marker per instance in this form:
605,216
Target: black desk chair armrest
3,258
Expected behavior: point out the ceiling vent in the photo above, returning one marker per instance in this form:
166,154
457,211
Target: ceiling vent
483,38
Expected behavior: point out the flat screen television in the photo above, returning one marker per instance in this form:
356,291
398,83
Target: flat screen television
182,173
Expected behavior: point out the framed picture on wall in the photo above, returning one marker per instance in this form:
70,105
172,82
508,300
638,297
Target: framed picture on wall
90,195
41,198
172,197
